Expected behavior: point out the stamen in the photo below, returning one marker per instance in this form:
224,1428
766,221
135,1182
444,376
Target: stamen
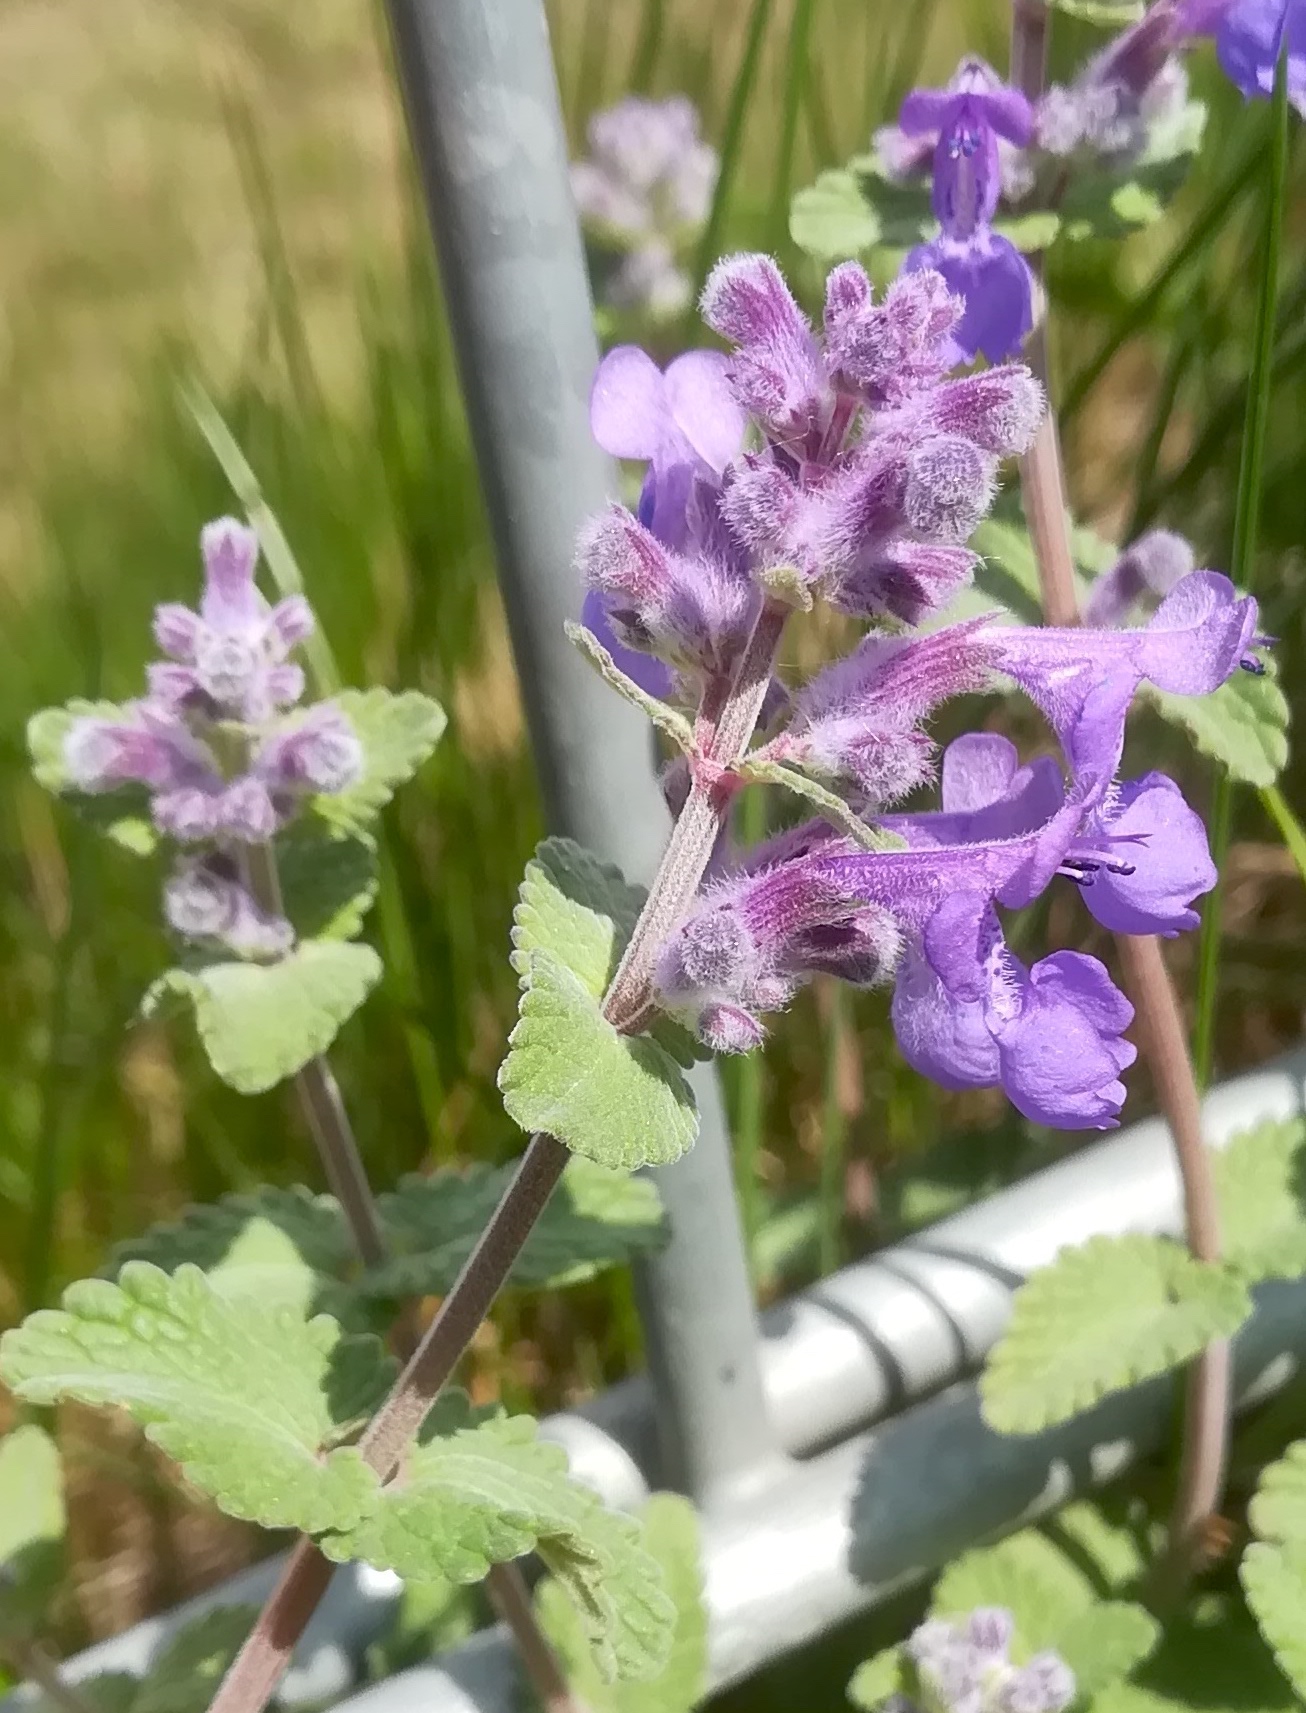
1079,879
1249,663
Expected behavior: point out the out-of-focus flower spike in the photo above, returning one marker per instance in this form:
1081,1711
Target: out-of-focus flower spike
1152,565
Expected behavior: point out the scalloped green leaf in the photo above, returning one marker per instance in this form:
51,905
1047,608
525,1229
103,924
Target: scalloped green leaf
260,1023
1243,725
1273,1569
32,1524
595,1219
398,731
1054,1603
286,1248
328,879
122,815
1100,1318
619,1099
670,1527
1260,1178
249,1400
486,1494
832,219
900,208
583,911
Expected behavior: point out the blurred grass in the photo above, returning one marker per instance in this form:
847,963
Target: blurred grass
224,193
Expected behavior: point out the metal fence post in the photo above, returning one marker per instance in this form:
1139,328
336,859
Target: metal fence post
484,116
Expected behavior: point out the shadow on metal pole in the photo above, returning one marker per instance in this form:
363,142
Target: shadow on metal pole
483,112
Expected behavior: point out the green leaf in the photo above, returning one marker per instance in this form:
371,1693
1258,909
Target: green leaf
595,1219
671,1539
1260,1178
1054,1604
876,1679
184,1675
1110,12
832,219
247,1399
398,733
1032,232
579,909
1209,1657
486,1494
1243,725
831,805
260,1023
622,1100
1100,1318
901,210
284,1248
122,815
328,879
31,1527
1274,1566
666,719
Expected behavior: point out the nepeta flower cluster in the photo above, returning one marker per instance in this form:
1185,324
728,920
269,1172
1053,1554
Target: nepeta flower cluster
644,195
1251,36
984,146
966,1668
864,472
225,756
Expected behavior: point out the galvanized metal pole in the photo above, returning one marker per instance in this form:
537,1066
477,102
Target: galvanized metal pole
483,111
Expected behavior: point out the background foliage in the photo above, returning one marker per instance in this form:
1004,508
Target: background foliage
223,193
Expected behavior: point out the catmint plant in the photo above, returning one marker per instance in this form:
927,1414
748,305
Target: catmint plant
644,192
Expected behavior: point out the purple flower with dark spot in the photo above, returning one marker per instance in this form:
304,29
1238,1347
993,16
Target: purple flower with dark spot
983,268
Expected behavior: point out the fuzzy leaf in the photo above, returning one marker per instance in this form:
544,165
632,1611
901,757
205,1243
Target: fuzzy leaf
832,220
885,1674
1261,1181
1100,1318
1243,724
284,1248
1054,1603
666,719
397,732
328,879
671,1538
246,1398
1274,1566
622,1100
31,1527
122,815
827,802
260,1023
595,1219
486,1494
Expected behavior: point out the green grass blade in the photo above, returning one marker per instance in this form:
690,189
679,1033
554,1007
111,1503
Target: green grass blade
796,71
1242,562
732,137
1290,828
1138,313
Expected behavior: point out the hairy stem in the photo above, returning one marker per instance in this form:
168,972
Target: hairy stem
724,738
324,1111
1205,1432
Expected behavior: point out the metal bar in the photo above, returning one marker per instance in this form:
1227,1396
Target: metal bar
876,1338
486,126
841,1534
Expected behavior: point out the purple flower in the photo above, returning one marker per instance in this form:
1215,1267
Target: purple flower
644,193
231,655
1251,36
971,116
315,751
1152,565
206,902
964,1666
